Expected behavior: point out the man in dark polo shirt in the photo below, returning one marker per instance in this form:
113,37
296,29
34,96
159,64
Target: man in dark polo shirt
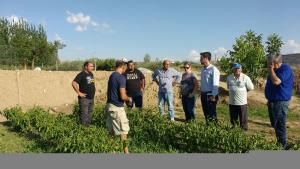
84,86
135,85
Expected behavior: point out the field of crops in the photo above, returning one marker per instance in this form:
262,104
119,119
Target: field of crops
150,133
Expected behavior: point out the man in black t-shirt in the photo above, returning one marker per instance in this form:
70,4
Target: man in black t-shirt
135,84
84,86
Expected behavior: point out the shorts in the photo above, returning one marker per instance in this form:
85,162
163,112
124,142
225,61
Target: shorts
116,122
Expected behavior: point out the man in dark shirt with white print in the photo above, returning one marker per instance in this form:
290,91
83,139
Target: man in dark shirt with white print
135,84
84,86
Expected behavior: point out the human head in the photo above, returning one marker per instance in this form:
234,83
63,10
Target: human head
130,65
237,69
187,66
205,58
276,60
88,66
166,64
121,66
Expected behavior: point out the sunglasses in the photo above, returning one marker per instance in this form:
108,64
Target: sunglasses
186,67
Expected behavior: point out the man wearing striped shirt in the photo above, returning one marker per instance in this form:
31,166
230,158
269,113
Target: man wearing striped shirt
238,85
210,77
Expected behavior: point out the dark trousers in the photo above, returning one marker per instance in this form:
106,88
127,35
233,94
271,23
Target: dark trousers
188,104
209,107
137,101
86,108
277,113
239,112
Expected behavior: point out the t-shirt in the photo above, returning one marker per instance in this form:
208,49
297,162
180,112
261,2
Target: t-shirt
187,83
133,82
238,88
86,84
282,92
115,82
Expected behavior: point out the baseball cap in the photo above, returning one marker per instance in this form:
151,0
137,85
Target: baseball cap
236,66
124,60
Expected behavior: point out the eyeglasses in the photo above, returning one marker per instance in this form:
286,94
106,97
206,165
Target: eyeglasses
186,67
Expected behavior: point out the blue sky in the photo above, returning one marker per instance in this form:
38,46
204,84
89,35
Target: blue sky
175,29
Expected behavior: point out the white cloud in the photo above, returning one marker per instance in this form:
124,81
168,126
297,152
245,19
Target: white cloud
291,47
219,52
194,55
83,22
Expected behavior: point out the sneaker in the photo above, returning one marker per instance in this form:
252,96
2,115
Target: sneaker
172,119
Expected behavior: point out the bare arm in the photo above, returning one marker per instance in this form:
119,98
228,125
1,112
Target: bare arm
75,86
123,95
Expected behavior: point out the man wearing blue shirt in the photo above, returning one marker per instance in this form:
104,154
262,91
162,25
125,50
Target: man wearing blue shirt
167,78
117,122
278,92
210,78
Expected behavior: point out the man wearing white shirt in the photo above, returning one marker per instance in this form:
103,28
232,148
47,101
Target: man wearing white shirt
210,78
238,85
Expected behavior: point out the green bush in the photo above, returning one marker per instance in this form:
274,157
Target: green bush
149,133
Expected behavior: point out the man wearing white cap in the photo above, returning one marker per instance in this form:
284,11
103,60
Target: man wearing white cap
238,85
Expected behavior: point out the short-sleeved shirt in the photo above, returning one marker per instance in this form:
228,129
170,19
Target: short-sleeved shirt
238,88
86,84
187,83
283,91
133,82
115,82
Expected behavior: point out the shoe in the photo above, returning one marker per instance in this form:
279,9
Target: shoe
172,119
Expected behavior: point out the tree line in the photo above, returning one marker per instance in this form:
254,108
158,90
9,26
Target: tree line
23,44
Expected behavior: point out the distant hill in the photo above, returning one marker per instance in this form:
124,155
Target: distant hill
292,59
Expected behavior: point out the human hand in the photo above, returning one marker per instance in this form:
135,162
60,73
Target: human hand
81,94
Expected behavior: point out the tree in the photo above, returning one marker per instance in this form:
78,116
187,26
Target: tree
274,44
248,50
147,58
24,43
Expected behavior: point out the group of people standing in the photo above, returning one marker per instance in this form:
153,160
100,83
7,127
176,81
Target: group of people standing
127,85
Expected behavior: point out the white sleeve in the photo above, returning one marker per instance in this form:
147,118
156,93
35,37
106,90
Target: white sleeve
216,81
249,84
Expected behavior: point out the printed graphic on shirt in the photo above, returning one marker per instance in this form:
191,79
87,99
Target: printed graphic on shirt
132,76
90,79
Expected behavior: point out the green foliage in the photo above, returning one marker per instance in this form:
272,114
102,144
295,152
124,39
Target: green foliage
248,50
147,58
149,132
274,44
22,43
106,64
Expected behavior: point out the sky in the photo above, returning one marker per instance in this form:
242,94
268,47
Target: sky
173,29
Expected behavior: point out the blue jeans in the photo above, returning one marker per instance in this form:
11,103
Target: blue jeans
277,113
188,104
164,97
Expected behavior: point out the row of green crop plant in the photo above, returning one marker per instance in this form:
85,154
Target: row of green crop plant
150,133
